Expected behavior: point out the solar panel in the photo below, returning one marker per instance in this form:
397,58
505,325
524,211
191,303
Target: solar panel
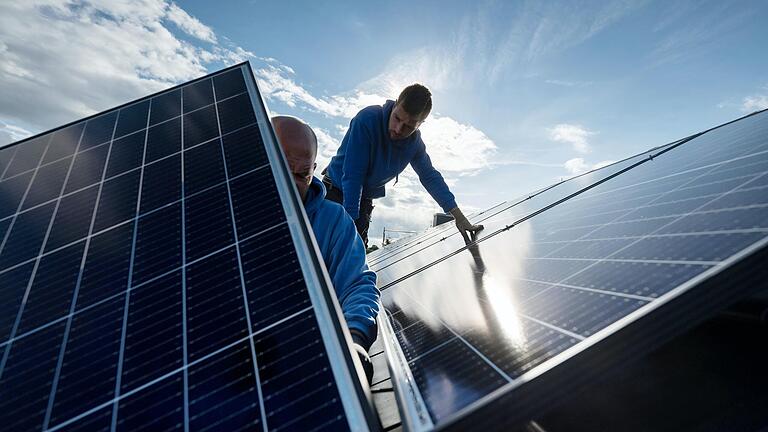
158,273
513,210
562,288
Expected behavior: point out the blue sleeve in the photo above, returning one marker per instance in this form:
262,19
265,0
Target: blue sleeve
432,180
354,283
355,165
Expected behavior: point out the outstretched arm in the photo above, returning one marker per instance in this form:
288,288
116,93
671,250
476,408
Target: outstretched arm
434,184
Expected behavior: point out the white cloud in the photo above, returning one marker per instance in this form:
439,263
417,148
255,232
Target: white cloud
327,146
575,135
578,166
61,61
10,133
755,102
456,147
407,207
189,24
276,82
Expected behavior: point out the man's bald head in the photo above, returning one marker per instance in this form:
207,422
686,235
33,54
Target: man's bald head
295,135
299,144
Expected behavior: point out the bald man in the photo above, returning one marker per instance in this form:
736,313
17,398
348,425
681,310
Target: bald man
341,247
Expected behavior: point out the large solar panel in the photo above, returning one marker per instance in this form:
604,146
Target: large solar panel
561,288
157,272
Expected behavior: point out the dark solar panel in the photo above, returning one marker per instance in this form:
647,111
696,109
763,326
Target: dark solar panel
495,332
146,287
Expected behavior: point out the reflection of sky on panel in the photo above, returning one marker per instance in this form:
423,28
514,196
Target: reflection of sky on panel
454,290
492,219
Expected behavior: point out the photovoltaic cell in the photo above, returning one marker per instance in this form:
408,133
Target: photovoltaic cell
126,154
164,139
281,371
158,244
200,126
26,381
12,191
215,307
197,95
73,218
161,184
151,280
50,295
252,217
47,183
241,159
165,107
203,238
497,331
205,167
233,114
229,84
6,155
117,200
107,261
14,283
154,408
26,236
64,143
27,157
263,260
90,360
154,343
98,130
132,118
87,169
234,392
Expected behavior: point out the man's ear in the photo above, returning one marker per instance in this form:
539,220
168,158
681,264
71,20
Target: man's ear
314,167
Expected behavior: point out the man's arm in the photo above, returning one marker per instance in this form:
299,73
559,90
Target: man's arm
355,287
435,184
355,167
354,283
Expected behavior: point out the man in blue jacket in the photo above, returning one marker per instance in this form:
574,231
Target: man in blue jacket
380,142
341,248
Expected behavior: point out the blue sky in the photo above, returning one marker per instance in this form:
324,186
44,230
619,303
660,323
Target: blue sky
525,92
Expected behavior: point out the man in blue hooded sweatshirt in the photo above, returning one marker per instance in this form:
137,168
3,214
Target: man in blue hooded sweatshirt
341,248
380,142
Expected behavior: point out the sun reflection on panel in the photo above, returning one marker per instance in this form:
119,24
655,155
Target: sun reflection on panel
505,310
472,291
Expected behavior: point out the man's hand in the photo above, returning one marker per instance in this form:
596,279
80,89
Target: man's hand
359,342
467,230
362,354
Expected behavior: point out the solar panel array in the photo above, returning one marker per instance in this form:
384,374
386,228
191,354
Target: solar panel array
576,278
149,277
